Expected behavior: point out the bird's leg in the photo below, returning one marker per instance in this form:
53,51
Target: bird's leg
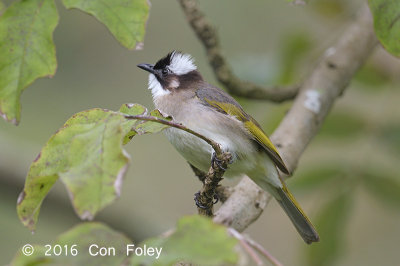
197,200
207,196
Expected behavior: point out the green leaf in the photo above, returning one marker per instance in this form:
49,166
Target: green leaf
126,19
131,109
383,187
78,241
37,258
150,126
330,225
387,23
27,50
86,153
197,240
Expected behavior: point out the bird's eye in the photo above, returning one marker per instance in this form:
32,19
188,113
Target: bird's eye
165,72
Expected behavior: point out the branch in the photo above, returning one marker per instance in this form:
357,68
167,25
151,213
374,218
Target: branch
205,197
248,244
314,101
223,72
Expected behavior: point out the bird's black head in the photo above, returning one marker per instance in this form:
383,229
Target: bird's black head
175,70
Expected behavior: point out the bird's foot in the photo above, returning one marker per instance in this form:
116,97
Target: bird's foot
218,162
198,203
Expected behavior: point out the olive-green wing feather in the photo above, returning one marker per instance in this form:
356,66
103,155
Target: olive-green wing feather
224,103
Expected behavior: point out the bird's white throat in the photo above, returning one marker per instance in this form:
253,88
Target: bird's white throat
156,88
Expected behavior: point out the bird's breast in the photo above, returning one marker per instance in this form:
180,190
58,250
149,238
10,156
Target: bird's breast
221,128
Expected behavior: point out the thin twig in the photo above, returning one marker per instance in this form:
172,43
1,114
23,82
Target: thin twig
246,246
212,143
263,251
223,72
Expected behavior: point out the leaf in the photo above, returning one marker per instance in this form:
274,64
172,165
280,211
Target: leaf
383,187
386,15
197,240
131,109
86,153
152,127
37,258
330,225
79,239
27,51
125,19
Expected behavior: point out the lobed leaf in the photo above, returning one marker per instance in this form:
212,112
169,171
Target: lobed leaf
86,153
386,15
131,109
196,240
125,19
27,50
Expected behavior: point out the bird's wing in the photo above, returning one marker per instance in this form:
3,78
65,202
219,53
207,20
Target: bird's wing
222,102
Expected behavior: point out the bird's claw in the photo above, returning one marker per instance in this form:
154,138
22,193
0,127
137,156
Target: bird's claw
198,203
216,199
218,162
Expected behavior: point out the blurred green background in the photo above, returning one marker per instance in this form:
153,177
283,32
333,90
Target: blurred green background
348,179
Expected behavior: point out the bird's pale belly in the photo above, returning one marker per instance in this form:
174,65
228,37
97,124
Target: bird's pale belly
198,153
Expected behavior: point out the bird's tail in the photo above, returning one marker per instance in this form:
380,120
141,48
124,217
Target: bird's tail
296,214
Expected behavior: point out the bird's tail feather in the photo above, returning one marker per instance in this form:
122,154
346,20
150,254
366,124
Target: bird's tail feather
296,215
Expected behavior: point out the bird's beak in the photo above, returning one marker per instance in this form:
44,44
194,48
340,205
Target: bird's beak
147,67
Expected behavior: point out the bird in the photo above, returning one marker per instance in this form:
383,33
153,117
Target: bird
179,91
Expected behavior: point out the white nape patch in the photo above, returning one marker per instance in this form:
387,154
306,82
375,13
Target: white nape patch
181,63
313,102
156,88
